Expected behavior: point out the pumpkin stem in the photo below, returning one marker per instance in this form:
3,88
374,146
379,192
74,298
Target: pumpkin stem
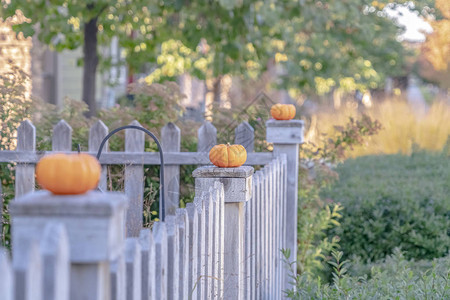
78,148
228,144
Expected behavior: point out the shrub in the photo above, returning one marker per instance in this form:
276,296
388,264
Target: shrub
393,278
394,201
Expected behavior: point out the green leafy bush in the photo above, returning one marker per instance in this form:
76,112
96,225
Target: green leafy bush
392,278
393,201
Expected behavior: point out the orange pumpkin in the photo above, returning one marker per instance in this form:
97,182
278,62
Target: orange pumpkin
68,174
228,156
283,111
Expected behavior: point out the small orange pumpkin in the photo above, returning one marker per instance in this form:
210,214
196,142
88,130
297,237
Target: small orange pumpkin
228,156
283,111
68,174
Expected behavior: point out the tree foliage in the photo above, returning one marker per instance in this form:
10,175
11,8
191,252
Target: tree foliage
318,44
435,56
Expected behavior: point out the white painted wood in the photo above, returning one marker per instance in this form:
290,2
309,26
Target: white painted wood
147,264
220,219
147,158
286,137
28,273
62,136
285,274
161,265
257,234
94,222
207,137
183,230
133,266
173,256
6,277
207,199
285,132
234,216
170,140
26,141
214,192
90,281
118,278
134,181
265,232
269,224
193,249
247,250
97,133
201,236
56,263
245,136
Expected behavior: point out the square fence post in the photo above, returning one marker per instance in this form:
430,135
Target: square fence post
237,184
95,224
286,137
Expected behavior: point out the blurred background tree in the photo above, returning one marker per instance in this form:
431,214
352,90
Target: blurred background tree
315,46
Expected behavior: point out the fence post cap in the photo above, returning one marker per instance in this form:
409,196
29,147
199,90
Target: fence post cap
216,172
284,132
95,222
44,203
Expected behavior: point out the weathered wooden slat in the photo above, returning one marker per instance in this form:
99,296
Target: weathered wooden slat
26,141
134,181
118,278
276,228
160,239
259,233
254,237
173,257
170,139
207,137
247,249
183,230
265,229
270,231
220,219
201,236
133,266
283,217
207,199
147,264
97,133
56,264
193,249
28,273
6,277
147,158
245,136
62,136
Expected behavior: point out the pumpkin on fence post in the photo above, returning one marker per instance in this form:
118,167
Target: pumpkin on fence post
228,156
68,174
283,111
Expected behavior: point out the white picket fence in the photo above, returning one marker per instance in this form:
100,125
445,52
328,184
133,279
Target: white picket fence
225,245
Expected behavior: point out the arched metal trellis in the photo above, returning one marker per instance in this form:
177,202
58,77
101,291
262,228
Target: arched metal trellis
161,173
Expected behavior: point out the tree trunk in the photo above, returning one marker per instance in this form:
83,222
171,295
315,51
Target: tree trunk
217,89
90,65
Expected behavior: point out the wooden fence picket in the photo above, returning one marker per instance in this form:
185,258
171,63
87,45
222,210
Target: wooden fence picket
118,278
134,181
97,133
28,274
214,192
62,136
133,265
55,262
220,201
6,277
161,264
26,141
201,253
170,140
208,206
207,137
245,136
147,264
183,230
193,249
172,257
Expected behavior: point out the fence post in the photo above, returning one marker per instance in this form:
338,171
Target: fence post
237,183
95,224
286,137
26,141
170,140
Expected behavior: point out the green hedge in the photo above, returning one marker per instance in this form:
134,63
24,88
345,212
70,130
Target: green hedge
394,201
